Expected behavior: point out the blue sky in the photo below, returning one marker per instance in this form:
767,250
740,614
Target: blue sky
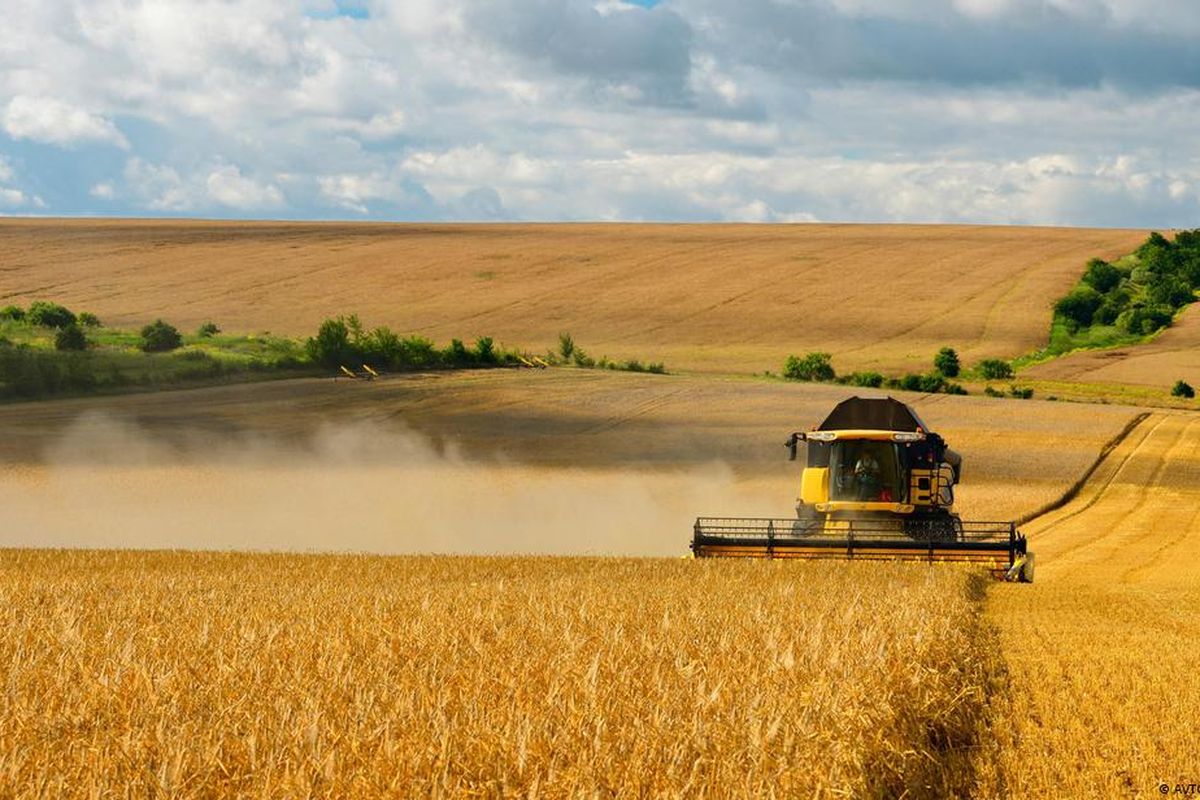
1078,112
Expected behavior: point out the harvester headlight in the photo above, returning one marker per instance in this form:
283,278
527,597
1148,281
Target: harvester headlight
907,437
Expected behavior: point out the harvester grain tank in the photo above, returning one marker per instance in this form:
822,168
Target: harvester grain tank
877,484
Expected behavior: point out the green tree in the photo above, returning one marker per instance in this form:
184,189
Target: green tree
946,362
160,337
566,346
1101,275
485,350
993,369
49,315
70,337
331,346
14,313
812,367
207,330
1182,389
1079,305
88,319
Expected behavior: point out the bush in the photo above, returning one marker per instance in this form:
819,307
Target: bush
14,313
946,362
207,330
88,319
1144,320
657,368
1170,292
1101,275
49,315
1020,392
870,380
990,392
813,367
159,337
582,359
1079,306
70,338
633,365
457,354
1182,389
993,369
485,351
331,346
566,346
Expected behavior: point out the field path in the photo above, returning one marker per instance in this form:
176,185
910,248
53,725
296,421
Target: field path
1101,649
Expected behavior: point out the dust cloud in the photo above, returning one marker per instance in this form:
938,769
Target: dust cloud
107,483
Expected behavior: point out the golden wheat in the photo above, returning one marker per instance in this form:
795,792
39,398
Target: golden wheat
203,674
1103,692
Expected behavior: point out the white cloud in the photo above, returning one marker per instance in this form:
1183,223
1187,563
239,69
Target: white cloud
159,188
12,197
915,110
227,186
51,121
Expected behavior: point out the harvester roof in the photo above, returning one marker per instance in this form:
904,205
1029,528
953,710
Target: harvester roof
872,413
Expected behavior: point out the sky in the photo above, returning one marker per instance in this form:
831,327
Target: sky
1052,112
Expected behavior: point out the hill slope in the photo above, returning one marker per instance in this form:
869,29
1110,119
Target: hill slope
724,298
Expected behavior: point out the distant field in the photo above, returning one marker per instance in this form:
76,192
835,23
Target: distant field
722,298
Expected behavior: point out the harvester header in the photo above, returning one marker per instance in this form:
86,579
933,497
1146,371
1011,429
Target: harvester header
878,484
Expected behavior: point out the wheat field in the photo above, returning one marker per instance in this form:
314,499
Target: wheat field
716,298
193,675
1100,651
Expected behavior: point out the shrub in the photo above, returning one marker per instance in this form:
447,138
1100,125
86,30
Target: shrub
990,392
1182,389
457,354
160,337
1022,393
485,351
633,365
813,367
14,313
49,315
331,346
1144,320
946,362
207,330
70,337
566,346
88,319
1170,292
1101,275
870,380
993,369
582,359
657,367
1079,306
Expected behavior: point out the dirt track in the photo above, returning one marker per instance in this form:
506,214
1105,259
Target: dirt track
1101,647
717,298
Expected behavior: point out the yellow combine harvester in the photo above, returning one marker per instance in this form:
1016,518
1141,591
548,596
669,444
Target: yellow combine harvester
878,484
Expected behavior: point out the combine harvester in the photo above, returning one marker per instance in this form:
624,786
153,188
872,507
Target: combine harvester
878,485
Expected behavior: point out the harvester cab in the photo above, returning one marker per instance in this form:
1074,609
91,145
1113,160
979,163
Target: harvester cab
877,484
